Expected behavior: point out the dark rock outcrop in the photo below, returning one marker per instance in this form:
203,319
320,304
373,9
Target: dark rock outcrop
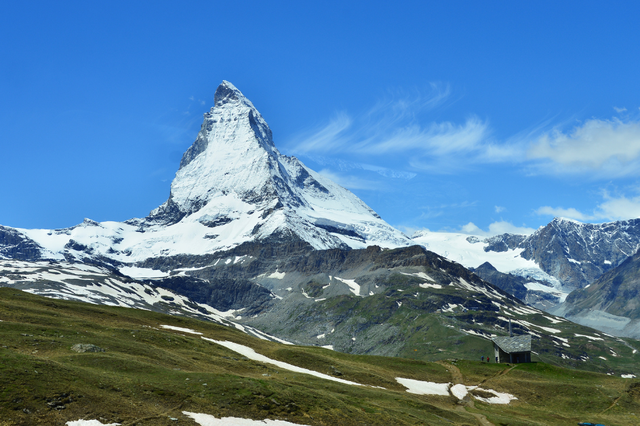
15,245
512,284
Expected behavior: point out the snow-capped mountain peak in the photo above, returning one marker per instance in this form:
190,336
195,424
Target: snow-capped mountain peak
233,154
233,186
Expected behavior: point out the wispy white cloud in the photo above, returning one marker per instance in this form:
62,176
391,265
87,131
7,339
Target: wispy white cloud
383,137
346,165
329,138
499,209
604,148
396,127
619,208
569,213
349,181
611,208
495,228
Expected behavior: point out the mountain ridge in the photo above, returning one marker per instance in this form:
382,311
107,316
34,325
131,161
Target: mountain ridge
232,186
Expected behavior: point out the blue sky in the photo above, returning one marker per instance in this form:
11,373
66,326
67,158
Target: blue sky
477,116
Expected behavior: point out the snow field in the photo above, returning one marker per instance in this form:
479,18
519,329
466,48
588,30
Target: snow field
209,420
460,391
253,355
353,286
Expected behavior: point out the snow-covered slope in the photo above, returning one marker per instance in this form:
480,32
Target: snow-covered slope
470,252
504,254
560,257
100,286
232,187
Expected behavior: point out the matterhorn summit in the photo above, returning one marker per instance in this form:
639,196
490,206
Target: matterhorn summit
233,186
234,180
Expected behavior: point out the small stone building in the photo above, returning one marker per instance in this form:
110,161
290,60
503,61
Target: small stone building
514,350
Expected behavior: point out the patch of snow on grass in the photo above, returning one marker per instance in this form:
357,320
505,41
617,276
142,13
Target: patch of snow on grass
353,286
89,423
251,354
184,330
330,347
420,387
427,285
419,275
270,337
466,285
628,376
460,391
499,398
276,275
553,320
450,307
474,332
547,329
209,420
588,337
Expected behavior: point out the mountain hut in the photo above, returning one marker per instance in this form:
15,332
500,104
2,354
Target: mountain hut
512,349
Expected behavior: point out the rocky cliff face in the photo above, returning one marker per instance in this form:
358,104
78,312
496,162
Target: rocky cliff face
16,245
575,253
578,253
611,303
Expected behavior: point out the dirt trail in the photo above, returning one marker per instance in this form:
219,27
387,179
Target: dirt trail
457,378
502,373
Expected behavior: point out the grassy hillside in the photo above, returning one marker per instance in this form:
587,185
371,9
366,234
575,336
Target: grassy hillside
148,375
444,321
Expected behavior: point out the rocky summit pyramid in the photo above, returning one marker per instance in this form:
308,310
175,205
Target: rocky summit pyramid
233,186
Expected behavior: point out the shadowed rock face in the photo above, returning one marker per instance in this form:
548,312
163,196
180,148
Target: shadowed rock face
611,304
15,245
510,283
616,292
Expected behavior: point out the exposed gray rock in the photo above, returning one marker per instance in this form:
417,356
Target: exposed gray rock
15,245
573,252
504,242
85,347
611,303
512,284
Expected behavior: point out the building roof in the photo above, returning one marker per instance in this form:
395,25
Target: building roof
514,344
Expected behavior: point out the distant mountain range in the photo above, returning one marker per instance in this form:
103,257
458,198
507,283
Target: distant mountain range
256,240
558,258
